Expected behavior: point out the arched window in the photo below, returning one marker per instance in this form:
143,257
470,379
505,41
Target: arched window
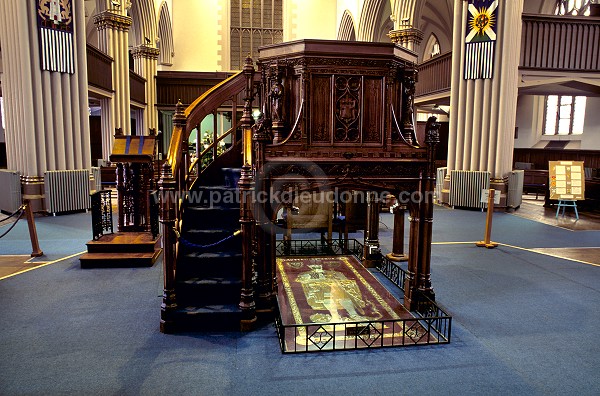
254,23
432,48
572,7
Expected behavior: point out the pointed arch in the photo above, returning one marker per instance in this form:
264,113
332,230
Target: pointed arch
346,31
165,36
143,23
432,47
370,17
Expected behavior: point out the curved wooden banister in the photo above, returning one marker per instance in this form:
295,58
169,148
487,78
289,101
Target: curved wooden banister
212,99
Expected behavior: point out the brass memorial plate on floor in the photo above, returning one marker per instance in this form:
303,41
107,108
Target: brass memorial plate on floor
335,303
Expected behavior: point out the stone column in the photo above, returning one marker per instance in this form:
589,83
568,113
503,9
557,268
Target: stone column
113,32
145,60
483,111
47,123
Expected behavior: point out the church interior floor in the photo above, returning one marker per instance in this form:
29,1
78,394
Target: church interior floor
532,208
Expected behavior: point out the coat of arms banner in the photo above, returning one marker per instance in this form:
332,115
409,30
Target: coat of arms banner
481,39
55,24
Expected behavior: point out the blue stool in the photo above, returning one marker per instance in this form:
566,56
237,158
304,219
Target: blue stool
564,204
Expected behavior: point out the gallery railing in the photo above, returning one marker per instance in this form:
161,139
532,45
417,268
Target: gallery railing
430,324
434,75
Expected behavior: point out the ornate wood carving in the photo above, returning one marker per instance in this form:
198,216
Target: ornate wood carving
320,109
347,108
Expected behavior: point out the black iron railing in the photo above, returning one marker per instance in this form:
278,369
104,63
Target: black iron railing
429,325
306,247
102,221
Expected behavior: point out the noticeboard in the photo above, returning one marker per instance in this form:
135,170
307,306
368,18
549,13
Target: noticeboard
567,180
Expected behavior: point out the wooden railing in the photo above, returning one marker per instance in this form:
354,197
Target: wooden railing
560,42
137,87
434,75
99,68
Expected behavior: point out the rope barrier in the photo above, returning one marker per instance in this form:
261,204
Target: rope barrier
21,208
204,247
13,224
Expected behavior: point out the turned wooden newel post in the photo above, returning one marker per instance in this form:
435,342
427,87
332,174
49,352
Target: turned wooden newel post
428,186
397,253
166,186
179,121
372,251
246,187
262,214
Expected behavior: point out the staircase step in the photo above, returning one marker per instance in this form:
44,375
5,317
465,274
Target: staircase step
124,242
232,176
208,317
211,218
209,290
214,196
207,265
119,260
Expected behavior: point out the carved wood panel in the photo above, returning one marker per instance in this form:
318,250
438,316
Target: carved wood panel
348,97
320,117
372,124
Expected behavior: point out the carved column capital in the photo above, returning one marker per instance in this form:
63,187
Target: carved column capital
406,36
145,51
112,20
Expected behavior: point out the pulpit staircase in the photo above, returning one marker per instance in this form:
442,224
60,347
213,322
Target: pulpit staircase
209,261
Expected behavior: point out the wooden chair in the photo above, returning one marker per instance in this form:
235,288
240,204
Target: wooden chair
311,211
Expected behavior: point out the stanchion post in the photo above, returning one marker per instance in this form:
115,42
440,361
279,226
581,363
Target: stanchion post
35,246
488,223
397,253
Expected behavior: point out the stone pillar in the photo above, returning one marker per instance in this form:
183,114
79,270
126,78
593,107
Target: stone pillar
113,32
46,112
483,111
145,60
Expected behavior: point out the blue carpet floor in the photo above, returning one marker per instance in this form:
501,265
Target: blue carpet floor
524,323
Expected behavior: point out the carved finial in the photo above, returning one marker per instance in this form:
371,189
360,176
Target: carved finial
179,116
152,132
166,172
118,132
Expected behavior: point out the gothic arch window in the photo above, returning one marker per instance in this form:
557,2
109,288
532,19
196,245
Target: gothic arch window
346,31
165,36
254,23
432,48
572,7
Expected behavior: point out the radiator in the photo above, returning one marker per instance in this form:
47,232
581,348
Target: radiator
439,183
515,189
10,193
466,186
67,190
97,178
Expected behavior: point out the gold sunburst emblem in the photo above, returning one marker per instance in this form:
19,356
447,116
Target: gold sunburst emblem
483,21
